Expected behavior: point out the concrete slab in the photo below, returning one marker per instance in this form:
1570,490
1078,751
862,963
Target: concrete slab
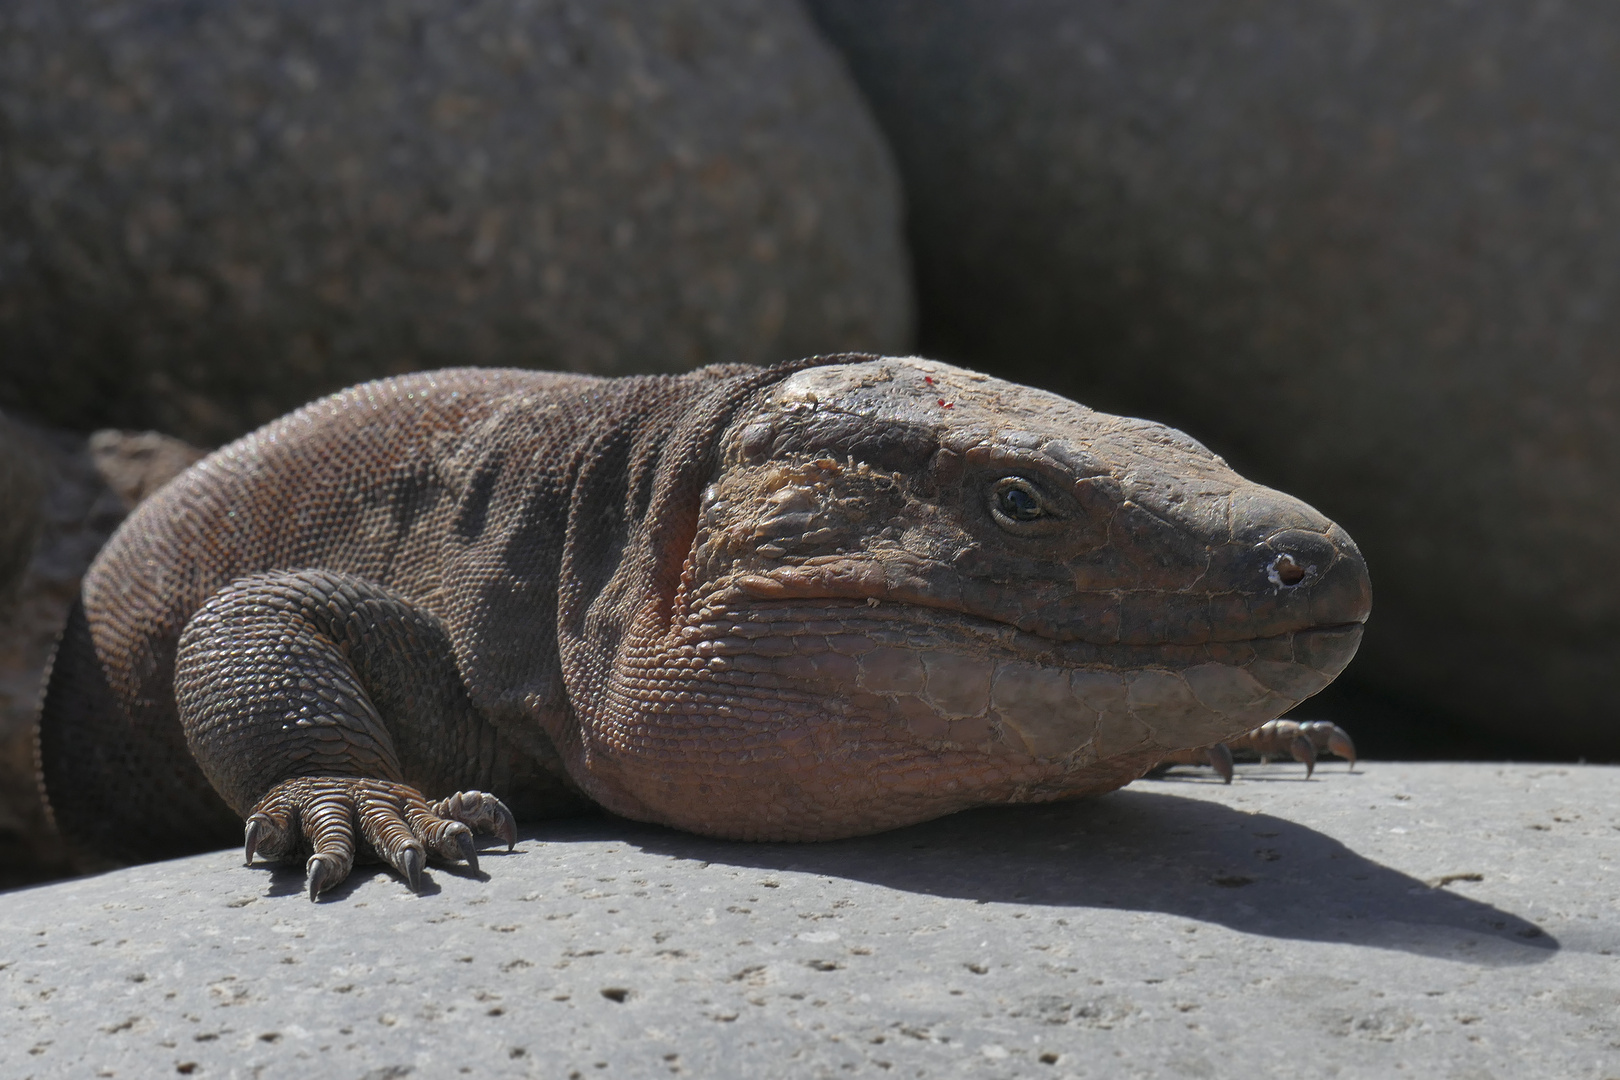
1436,920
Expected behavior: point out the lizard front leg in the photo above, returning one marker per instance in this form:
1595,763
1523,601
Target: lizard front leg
320,705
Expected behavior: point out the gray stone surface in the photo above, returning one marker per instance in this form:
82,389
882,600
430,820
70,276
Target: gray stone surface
211,213
1368,251
1436,920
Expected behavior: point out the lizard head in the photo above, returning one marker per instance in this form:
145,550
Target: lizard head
914,588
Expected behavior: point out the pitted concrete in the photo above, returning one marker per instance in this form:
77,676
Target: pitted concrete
1441,920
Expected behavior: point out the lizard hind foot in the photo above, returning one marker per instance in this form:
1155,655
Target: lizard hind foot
1303,740
317,817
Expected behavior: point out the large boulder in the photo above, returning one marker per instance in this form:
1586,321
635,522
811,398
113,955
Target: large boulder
210,213
1370,252
21,489
80,490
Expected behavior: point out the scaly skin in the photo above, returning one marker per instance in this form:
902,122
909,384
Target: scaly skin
812,602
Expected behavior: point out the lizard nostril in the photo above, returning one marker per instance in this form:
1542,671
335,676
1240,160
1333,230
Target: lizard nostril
1285,571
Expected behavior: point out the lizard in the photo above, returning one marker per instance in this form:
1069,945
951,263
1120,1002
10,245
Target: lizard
817,600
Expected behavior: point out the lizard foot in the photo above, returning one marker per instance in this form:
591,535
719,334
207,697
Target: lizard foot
317,815
1303,740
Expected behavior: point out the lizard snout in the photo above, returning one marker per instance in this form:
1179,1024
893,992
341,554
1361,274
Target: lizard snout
1326,565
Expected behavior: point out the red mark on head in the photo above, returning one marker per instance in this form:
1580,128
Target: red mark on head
946,404
929,379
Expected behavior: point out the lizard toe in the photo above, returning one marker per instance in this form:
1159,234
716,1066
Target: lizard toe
410,863
304,816
323,871
328,826
267,834
468,848
444,837
390,815
1328,736
481,812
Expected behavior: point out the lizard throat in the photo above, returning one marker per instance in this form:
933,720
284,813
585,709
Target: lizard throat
794,719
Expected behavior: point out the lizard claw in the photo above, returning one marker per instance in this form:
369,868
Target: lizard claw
1304,750
267,834
410,863
1338,740
251,835
321,873
468,850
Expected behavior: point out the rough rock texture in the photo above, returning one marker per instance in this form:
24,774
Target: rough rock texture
22,516
213,213
134,464
1370,252
21,491
1431,920
87,488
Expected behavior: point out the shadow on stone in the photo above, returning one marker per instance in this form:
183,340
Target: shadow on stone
1145,851
287,879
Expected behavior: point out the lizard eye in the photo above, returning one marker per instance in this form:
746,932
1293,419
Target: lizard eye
1015,501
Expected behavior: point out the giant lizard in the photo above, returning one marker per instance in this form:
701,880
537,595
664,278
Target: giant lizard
811,601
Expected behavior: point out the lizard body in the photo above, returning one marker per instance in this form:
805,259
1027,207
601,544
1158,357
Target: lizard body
812,601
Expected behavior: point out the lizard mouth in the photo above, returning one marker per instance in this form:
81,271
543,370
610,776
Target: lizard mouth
962,663
1102,620
957,682
1327,647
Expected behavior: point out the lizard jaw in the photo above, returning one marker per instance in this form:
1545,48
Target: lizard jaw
817,720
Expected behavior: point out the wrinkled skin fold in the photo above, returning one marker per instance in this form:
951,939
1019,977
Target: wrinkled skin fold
825,599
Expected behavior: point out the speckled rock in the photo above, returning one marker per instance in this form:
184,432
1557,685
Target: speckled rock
1370,252
1429,920
213,213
